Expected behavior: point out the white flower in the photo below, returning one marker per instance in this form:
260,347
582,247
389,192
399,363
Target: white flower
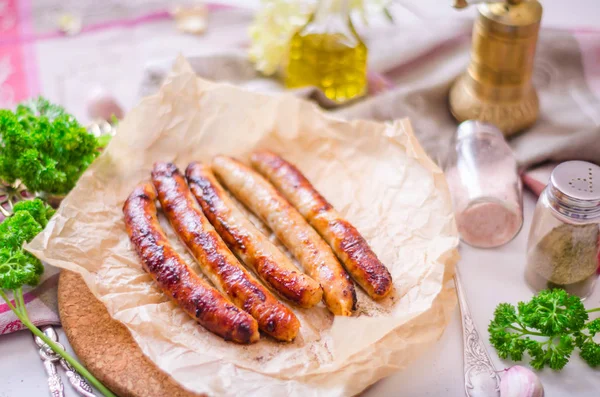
273,27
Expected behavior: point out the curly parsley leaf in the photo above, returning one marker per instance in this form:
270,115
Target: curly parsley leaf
44,147
548,329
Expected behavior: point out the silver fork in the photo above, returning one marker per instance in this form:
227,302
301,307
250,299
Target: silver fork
481,378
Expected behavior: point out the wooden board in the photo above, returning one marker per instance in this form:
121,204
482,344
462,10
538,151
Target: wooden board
106,347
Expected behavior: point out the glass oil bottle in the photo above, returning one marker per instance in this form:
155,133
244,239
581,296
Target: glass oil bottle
327,53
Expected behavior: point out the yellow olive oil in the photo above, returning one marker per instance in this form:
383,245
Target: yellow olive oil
328,53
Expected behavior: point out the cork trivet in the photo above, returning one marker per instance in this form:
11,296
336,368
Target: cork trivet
106,347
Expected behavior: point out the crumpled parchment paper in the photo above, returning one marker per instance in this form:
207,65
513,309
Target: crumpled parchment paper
375,174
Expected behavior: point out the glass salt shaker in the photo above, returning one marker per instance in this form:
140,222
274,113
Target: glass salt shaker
485,186
563,246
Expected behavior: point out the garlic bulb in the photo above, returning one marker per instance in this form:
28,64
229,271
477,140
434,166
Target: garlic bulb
102,105
519,381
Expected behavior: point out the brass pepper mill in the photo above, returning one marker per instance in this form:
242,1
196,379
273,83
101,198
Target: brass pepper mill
497,86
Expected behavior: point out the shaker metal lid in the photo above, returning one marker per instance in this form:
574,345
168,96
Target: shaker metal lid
579,180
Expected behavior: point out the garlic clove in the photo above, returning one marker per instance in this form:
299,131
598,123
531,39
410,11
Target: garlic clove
519,381
102,105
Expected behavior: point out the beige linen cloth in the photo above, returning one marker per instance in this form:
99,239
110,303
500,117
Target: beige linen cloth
412,71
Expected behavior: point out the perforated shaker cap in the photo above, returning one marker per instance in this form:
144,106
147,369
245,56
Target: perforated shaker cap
577,185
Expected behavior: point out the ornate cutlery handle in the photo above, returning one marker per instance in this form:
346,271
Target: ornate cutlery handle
80,385
54,382
481,378
48,357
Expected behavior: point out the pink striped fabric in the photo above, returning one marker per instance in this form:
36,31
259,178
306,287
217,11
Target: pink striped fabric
19,81
18,73
41,305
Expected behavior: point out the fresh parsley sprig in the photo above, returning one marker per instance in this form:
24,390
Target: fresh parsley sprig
44,147
548,328
19,268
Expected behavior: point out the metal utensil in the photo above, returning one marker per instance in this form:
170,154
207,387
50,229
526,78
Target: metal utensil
81,386
54,382
481,378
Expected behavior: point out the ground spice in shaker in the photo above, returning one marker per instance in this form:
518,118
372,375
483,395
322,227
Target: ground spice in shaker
568,254
488,224
564,246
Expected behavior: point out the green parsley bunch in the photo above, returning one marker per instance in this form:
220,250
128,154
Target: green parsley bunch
44,147
548,328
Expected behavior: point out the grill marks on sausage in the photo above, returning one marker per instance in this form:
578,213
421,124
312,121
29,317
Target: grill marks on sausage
201,301
209,200
248,242
285,282
281,169
215,259
347,243
357,249
292,230
235,282
189,224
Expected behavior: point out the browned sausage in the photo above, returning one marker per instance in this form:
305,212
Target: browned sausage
352,249
194,295
292,230
250,245
215,259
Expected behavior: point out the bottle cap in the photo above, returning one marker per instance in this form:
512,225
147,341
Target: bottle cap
471,127
576,187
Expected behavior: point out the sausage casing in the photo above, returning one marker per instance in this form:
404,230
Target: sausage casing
292,230
347,243
249,244
194,295
215,259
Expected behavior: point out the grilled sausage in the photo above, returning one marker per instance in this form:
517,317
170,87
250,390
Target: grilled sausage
195,296
291,228
347,243
250,245
216,261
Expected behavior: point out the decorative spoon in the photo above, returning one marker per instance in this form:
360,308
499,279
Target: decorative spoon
481,378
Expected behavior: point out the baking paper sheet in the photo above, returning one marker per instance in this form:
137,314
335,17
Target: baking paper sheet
375,174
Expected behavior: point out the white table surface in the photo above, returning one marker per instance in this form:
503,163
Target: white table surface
490,277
